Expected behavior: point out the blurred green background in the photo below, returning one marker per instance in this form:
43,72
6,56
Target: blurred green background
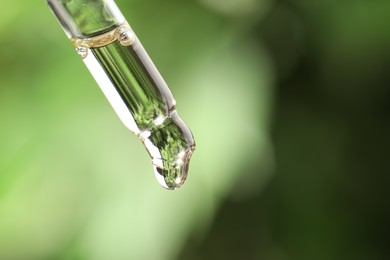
288,101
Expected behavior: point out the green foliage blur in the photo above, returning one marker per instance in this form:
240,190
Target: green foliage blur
288,101
74,182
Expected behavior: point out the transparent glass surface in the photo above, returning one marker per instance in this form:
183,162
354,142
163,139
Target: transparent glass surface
86,18
131,83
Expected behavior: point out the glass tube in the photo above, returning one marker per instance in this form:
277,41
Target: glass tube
130,81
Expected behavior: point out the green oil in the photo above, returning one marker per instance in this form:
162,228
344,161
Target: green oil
131,83
122,68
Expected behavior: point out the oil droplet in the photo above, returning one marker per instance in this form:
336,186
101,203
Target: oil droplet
170,146
82,51
126,37
173,175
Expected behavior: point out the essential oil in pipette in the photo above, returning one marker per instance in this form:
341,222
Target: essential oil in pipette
130,81
141,98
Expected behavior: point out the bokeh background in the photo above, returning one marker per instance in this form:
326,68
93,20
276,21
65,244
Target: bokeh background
288,101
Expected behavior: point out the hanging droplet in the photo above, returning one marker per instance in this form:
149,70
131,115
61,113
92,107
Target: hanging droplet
170,146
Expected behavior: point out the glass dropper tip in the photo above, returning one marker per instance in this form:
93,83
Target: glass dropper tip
170,146
173,175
